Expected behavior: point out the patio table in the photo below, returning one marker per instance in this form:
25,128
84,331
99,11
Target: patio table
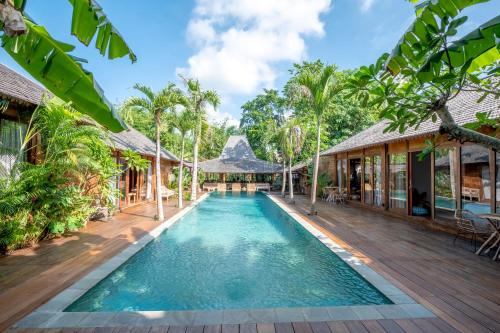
331,192
494,239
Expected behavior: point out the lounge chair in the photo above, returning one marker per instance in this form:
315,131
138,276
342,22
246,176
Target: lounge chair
251,187
236,187
167,193
221,187
262,187
209,187
470,224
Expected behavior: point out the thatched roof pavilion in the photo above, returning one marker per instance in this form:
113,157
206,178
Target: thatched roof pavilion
238,157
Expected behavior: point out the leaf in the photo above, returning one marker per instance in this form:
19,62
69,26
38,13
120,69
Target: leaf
89,19
47,60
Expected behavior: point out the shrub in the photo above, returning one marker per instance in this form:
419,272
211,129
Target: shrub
57,194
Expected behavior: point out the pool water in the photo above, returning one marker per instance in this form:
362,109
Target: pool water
232,251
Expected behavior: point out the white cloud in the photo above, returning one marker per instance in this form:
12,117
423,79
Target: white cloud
366,5
239,42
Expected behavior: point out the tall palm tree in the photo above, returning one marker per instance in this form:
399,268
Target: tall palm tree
157,103
318,89
198,100
184,122
291,138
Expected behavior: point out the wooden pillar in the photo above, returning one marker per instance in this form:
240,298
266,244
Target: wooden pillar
409,191
385,177
362,182
154,180
335,172
433,194
493,190
458,179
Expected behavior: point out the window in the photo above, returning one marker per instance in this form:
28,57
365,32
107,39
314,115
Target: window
377,181
368,181
475,171
397,181
445,197
12,134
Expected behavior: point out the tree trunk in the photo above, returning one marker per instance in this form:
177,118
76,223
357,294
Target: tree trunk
283,186
290,180
313,210
159,200
180,187
194,178
461,134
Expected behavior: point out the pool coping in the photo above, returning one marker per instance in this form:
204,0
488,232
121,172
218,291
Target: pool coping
51,315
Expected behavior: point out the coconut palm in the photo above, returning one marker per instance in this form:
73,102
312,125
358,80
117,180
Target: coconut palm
156,103
198,100
290,138
318,89
184,122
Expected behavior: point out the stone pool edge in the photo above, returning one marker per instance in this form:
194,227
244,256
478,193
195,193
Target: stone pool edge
51,315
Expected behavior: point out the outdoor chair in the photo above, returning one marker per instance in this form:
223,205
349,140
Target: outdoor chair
221,187
251,187
167,193
236,187
470,224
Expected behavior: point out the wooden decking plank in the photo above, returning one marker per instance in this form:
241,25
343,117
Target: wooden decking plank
194,329
320,327
391,326
230,328
211,329
283,328
410,327
442,325
356,327
265,328
159,329
373,326
248,328
337,327
177,329
301,327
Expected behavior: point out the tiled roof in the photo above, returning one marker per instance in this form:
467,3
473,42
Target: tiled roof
15,86
463,108
134,140
238,157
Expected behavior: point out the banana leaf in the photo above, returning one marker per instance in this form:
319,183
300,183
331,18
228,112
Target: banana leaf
89,19
48,61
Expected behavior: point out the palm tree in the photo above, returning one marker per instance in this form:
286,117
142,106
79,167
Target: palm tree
291,138
157,103
198,100
184,122
318,89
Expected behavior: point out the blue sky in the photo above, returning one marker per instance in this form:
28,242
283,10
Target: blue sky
235,46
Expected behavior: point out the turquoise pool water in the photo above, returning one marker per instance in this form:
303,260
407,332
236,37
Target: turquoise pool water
232,251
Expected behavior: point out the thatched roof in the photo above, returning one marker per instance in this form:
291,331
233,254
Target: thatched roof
134,140
238,157
463,108
14,86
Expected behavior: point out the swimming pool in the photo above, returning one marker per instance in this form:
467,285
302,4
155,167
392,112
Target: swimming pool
232,251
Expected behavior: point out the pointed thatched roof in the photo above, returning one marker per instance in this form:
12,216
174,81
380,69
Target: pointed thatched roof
238,157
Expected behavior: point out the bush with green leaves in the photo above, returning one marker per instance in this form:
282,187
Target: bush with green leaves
60,191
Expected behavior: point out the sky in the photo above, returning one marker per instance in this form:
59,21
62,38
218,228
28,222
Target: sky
237,47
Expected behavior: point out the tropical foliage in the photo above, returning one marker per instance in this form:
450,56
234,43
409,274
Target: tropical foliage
60,191
157,104
50,62
429,66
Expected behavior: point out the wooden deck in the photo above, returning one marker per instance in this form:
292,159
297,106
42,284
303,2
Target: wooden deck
30,277
462,289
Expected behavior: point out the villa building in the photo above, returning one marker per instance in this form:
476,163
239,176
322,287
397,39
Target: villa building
19,97
386,171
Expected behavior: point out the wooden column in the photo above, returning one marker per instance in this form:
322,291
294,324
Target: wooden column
458,179
362,182
385,177
493,187
433,194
